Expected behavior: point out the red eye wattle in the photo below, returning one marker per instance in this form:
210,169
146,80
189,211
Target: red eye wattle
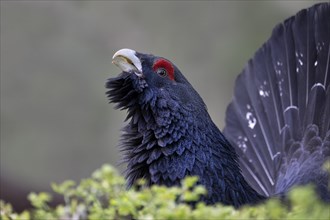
164,67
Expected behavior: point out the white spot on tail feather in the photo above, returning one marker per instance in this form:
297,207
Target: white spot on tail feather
241,143
252,121
318,84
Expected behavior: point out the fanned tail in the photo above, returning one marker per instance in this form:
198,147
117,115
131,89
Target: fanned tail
279,118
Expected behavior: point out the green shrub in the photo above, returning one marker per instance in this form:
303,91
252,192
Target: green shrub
104,196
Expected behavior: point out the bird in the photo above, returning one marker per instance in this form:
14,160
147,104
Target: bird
277,132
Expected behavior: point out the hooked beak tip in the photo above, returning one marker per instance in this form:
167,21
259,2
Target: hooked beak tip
127,61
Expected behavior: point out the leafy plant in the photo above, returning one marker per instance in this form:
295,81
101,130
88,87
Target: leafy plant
104,196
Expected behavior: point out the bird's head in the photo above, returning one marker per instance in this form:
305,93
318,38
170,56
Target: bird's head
149,80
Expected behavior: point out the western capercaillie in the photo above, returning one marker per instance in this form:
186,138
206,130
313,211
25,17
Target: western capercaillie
277,132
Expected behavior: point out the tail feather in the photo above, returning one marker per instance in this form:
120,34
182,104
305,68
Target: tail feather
325,126
279,119
304,30
315,105
322,40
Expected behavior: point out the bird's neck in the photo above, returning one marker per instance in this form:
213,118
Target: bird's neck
165,145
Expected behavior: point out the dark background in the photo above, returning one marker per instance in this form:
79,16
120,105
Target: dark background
56,56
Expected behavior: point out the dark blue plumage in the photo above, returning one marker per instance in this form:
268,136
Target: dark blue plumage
277,123
278,120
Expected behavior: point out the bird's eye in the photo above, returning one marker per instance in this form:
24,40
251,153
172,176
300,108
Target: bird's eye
161,72
164,68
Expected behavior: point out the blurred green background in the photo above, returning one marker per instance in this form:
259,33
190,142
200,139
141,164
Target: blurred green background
56,122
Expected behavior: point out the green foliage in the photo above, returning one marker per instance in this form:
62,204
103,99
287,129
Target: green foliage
104,196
